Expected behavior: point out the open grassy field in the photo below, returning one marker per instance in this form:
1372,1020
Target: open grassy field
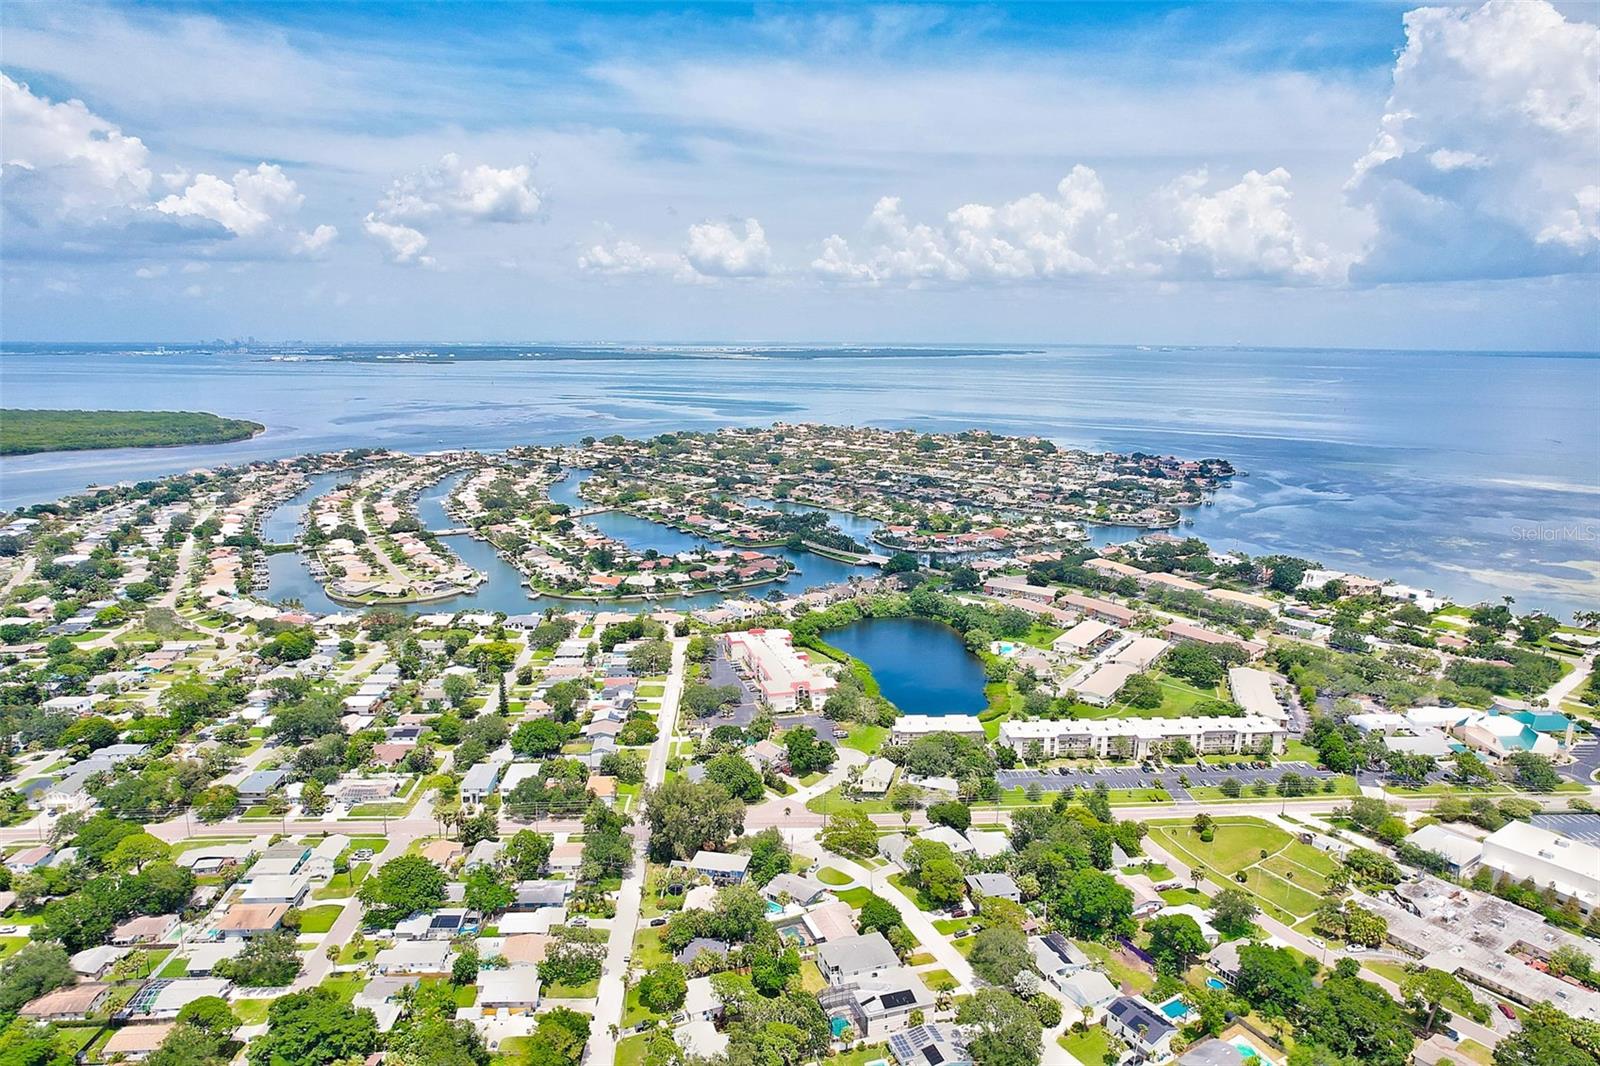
1286,876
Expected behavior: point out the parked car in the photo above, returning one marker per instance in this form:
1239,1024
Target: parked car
1507,1011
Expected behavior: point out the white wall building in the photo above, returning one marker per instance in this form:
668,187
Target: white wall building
1570,868
1134,737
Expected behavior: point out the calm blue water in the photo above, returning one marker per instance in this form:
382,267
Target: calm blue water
923,667
1474,474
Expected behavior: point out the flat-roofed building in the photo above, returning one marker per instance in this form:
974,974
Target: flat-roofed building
909,727
784,677
1100,688
1134,737
1569,868
1252,690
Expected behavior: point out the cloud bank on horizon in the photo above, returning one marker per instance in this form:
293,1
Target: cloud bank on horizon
704,175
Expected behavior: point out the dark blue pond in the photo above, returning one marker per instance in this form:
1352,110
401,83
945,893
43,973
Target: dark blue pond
923,667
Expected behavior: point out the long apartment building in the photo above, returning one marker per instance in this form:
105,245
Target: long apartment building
784,677
1135,737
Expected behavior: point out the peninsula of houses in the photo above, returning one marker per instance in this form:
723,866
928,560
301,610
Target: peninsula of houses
614,791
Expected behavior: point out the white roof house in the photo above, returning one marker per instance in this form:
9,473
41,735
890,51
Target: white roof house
911,726
1081,637
876,776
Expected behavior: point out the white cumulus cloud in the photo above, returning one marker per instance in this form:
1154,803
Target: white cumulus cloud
71,174
449,192
404,244
1487,160
1242,232
717,249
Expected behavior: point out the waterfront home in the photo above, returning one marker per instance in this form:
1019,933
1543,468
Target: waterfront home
785,678
909,727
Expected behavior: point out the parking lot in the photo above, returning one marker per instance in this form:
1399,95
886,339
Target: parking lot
1575,826
1166,777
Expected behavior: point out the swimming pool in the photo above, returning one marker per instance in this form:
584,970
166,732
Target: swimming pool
1248,1050
839,1026
1174,1008
1214,984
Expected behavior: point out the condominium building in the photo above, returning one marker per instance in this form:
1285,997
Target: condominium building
1135,737
784,677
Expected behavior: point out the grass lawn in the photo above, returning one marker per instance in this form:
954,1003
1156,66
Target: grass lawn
1088,1047
634,1012
1156,871
833,801
1178,699
1384,968
630,1051
650,691
916,895
829,876
861,1056
1475,1052
951,926
867,738
344,985
350,954
648,952
854,897
587,990
320,919
251,1011
10,945
341,886
938,980
1238,843
811,978
921,958
1118,970
175,968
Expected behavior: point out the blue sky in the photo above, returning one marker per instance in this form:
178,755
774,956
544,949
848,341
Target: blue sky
1313,174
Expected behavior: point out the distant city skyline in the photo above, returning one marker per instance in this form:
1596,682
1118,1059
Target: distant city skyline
1211,174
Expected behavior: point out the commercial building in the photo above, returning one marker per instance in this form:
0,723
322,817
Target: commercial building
1569,868
784,677
1134,737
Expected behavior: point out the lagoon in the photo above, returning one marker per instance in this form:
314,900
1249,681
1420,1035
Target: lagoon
922,666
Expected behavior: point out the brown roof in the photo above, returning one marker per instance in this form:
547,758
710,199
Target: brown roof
137,1039
441,851
245,917
602,785
74,999
525,947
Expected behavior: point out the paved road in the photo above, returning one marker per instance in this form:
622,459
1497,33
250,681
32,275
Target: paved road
602,1047
317,965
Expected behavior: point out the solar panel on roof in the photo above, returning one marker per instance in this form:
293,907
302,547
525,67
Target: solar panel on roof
933,1054
899,999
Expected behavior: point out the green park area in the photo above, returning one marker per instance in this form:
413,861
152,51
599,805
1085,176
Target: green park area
1286,877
